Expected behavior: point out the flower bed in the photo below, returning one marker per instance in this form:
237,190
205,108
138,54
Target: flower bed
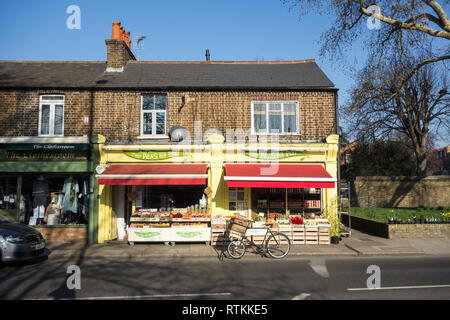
404,215
397,230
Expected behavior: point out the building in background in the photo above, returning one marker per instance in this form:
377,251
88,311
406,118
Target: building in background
150,142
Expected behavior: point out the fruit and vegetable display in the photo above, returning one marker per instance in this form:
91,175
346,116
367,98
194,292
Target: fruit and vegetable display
296,220
150,218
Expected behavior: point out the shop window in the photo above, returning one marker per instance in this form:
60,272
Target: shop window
275,117
236,199
51,115
9,200
167,198
305,202
46,199
153,115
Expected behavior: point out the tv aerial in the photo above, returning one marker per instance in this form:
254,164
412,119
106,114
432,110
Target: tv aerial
138,42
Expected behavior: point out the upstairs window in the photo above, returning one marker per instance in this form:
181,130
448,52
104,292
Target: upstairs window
153,115
275,117
51,115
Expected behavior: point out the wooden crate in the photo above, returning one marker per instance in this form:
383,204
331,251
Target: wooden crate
311,234
216,240
282,240
217,233
324,234
298,234
284,228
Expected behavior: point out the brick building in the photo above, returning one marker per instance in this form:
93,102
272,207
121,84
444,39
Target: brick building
97,111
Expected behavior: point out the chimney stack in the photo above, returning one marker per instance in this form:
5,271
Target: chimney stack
118,48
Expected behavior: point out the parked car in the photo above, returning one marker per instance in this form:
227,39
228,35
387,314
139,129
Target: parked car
19,242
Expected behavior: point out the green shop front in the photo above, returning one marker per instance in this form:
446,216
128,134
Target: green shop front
48,183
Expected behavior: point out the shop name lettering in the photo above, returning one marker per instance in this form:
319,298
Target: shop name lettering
273,155
234,309
42,155
154,155
52,147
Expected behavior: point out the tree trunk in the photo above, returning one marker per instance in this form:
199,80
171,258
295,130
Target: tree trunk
420,151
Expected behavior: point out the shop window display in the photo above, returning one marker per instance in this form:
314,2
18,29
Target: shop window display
46,199
169,214
9,200
304,202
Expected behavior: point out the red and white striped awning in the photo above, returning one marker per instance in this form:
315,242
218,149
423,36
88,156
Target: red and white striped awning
278,175
154,174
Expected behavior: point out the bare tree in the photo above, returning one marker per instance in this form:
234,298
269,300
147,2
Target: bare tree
383,104
413,20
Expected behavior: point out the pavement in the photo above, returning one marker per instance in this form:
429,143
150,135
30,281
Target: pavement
357,244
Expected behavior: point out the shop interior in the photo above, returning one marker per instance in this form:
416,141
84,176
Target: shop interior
46,199
161,205
283,202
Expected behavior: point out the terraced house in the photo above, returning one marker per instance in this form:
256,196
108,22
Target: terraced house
165,150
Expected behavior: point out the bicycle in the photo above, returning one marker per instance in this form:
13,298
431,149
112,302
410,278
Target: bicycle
236,240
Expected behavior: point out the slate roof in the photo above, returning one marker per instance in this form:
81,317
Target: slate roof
302,74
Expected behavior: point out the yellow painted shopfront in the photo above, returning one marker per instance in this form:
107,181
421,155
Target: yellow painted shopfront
176,192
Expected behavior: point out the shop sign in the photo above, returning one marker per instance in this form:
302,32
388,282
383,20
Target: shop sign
149,234
274,155
23,155
189,234
154,155
45,146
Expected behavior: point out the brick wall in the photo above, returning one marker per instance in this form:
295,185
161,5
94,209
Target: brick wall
398,192
118,53
421,231
396,231
19,112
116,114
64,234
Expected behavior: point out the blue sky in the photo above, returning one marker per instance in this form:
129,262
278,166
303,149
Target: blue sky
175,30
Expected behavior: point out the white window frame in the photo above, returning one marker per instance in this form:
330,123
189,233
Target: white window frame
51,120
282,102
153,112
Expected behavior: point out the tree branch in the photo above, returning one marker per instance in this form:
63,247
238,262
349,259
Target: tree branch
403,25
440,12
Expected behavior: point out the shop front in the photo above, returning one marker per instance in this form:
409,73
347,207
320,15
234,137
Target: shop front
185,193
46,183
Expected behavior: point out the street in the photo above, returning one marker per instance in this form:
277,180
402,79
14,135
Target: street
252,278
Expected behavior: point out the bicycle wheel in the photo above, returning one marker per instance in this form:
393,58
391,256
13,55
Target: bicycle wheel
278,245
236,249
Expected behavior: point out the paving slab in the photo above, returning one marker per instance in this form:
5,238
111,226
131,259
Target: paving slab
358,244
184,250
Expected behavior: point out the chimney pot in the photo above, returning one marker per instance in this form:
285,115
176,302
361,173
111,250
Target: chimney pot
115,30
127,34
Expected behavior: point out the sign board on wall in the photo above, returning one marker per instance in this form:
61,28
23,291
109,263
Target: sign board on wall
154,155
46,146
274,155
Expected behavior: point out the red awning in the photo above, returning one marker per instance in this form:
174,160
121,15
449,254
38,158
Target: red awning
154,174
277,175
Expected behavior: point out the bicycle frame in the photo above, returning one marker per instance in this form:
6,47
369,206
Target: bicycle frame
242,232
266,236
